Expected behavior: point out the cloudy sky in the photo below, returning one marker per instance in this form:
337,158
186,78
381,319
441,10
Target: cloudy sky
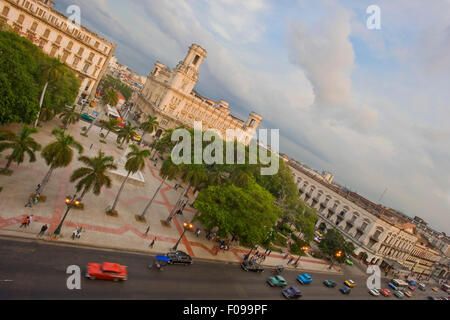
371,106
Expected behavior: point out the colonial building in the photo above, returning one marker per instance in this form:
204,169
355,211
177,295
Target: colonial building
379,237
80,49
170,96
422,258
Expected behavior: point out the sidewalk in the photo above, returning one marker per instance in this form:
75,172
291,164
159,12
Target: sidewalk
122,232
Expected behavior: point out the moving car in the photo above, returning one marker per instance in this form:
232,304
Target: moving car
393,287
106,271
374,292
87,117
399,294
304,278
421,286
386,292
330,283
179,257
136,137
350,283
411,287
407,293
291,293
345,290
435,289
349,262
252,266
277,281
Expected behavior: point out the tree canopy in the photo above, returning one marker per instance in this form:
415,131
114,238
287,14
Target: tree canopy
109,82
333,242
22,80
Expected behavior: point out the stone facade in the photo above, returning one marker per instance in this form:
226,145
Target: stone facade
422,258
170,96
83,51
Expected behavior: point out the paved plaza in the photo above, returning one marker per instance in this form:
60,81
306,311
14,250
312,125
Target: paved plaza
103,231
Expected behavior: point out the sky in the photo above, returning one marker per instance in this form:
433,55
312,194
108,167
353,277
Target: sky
370,106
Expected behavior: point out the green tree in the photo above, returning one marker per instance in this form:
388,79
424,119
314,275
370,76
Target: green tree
135,163
69,116
245,212
168,171
58,154
334,242
148,126
110,97
126,133
20,145
110,125
94,175
109,81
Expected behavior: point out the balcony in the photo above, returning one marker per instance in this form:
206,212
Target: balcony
375,238
350,222
316,199
308,195
361,229
333,210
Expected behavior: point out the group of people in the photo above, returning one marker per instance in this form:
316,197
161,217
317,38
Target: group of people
76,234
26,222
291,259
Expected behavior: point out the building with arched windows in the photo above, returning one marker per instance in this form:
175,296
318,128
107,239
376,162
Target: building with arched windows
83,51
171,98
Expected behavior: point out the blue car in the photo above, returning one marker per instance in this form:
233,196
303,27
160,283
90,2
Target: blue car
292,293
345,290
304,278
393,286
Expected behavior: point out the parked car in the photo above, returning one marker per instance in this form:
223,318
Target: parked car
386,292
179,257
407,293
87,117
304,278
291,293
399,294
252,266
374,292
411,287
435,289
330,283
350,283
345,290
393,287
421,286
277,281
349,262
106,271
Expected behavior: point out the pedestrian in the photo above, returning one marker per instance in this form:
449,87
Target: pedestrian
80,229
208,235
296,264
43,229
74,234
24,222
290,260
38,187
285,257
148,229
29,220
29,204
267,249
152,243
263,257
257,253
197,232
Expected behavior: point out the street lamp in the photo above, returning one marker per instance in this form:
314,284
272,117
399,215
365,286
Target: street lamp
187,226
339,254
70,202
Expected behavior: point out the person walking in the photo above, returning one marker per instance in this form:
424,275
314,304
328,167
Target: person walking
29,204
30,218
43,229
74,234
148,229
197,232
290,260
80,229
24,222
152,243
286,255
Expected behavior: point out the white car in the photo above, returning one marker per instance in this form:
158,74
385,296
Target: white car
374,292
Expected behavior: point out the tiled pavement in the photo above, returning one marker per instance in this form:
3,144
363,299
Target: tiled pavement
122,232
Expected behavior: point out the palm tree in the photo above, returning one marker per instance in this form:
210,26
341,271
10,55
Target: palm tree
164,144
69,116
111,125
193,175
148,126
52,72
20,144
135,163
168,171
58,154
93,176
127,133
110,97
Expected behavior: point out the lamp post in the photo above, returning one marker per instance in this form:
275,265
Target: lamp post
70,202
187,226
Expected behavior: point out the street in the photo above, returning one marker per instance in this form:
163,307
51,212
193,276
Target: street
36,270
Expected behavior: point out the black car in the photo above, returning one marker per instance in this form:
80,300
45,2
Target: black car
345,290
179,257
252,266
292,293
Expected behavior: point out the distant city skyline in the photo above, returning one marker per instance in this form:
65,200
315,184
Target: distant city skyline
370,106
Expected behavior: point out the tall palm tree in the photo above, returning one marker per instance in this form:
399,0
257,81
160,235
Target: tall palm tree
93,176
69,116
148,126
193,175
52,72
135,163
165,143
111,125
20,144
127,133
110,97
59,154
169,171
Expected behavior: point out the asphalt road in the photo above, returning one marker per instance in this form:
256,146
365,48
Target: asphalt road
37,270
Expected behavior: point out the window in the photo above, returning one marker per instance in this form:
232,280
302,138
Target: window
20,19
58,39
88,85
86,67
46,33
34,26
70,45
75,62
64,57
196,60
5,11
53,52
80,51
91,56
96,44
106,50
100,61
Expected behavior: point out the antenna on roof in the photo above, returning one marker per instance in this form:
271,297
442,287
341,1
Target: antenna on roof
382,195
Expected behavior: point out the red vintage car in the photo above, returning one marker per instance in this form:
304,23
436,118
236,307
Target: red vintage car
385,292
106,271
